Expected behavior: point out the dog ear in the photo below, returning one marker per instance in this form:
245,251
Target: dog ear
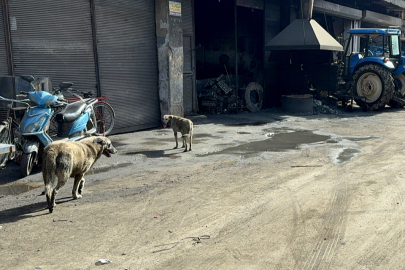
100,141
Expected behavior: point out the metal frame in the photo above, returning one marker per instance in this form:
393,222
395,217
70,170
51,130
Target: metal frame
7,34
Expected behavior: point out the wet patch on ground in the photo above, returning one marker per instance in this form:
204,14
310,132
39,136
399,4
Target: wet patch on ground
257,123
343,155
346,155
18,188
360,139
205,135
285,139
243,133
276,142
348,150
276,130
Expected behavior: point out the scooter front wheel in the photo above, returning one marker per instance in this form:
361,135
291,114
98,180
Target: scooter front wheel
27,163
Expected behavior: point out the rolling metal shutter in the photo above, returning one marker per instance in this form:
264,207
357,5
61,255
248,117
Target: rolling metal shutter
53,38
188,70
127,56
187,16
187,75
3,51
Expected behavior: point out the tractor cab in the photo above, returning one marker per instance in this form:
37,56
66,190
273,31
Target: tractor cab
377,46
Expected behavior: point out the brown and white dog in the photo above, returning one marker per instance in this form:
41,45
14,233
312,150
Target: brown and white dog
182,125
63,160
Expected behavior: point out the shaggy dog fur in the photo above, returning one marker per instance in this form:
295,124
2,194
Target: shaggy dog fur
62,160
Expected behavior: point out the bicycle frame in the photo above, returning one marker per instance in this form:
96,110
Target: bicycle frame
104,118
100,100
11,125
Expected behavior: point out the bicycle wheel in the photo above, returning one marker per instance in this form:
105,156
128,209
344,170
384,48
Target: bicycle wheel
5,137
105,118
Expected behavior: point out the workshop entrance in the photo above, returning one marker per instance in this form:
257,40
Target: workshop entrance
229,42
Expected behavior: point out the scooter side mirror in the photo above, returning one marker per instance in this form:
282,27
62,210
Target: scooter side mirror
28,78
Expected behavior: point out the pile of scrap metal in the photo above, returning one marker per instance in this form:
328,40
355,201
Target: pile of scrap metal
217,96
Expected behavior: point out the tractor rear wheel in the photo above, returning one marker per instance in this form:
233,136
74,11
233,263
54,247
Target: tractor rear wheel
375,84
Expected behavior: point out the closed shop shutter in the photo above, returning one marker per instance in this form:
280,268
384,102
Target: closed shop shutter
187,16
187,75
3,51
127,55
53,38
188,39
187,94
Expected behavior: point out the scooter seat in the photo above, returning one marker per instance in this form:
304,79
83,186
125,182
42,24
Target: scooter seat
71,112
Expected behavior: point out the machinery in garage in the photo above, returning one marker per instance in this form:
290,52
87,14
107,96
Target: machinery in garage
373,77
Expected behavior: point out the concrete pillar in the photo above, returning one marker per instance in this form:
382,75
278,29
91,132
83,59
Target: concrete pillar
356,40
169,32
350,24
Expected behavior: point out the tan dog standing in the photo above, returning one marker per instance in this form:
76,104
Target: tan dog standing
182,125
71,159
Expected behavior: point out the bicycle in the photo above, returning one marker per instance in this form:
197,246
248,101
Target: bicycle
9,126
104,112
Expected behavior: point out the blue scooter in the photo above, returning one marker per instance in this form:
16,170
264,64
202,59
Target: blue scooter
74,122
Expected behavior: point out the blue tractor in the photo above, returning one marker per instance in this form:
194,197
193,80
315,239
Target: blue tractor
374,77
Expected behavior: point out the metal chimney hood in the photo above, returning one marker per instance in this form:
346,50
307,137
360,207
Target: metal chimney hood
303,34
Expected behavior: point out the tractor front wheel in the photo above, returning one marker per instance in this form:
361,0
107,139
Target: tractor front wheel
375,84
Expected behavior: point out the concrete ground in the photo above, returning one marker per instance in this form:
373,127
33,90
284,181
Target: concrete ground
264,190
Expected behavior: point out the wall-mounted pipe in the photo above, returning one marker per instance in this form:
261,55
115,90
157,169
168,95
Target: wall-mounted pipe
307,8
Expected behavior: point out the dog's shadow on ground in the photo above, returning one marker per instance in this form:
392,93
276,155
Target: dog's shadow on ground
158,153
29,211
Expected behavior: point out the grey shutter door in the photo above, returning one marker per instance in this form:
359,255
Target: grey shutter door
188,71
3,51
187,16
53,38
187,75
127,56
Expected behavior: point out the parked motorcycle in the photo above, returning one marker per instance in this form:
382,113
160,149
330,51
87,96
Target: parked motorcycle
74,122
